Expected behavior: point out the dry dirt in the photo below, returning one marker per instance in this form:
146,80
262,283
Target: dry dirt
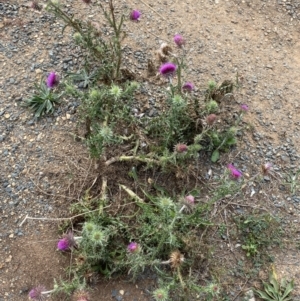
257,39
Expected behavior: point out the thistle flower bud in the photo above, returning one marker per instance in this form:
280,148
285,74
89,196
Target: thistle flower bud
233,130
89,227
212,85
211,106
94,94
178,100
210,119
188,87
106,133
161,294
181,148
115,91
98,237
77,38
178,40
165,202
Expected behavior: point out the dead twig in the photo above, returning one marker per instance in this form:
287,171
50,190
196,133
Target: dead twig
57,218
51,194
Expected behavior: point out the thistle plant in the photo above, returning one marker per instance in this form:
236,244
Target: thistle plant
156,230
106,52
44,99
76,288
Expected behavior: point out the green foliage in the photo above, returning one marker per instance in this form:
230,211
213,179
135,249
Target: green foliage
68,287
43,101
275,290
106,111
258,232
292,181
160,226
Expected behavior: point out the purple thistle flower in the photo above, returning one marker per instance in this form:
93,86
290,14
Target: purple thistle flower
244,107
133,247
37,293
63,244
235,173
190,199
167,69
179,41
67,242
135,15
188,87
52,80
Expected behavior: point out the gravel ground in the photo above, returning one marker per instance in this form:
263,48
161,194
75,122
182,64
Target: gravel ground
258,39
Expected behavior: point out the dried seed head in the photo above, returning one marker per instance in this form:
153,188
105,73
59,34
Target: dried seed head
35,5
266,168
81,295
176,259
163,52
165,49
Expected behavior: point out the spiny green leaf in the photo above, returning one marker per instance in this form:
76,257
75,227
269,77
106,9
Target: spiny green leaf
263,295
288,290
215,156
